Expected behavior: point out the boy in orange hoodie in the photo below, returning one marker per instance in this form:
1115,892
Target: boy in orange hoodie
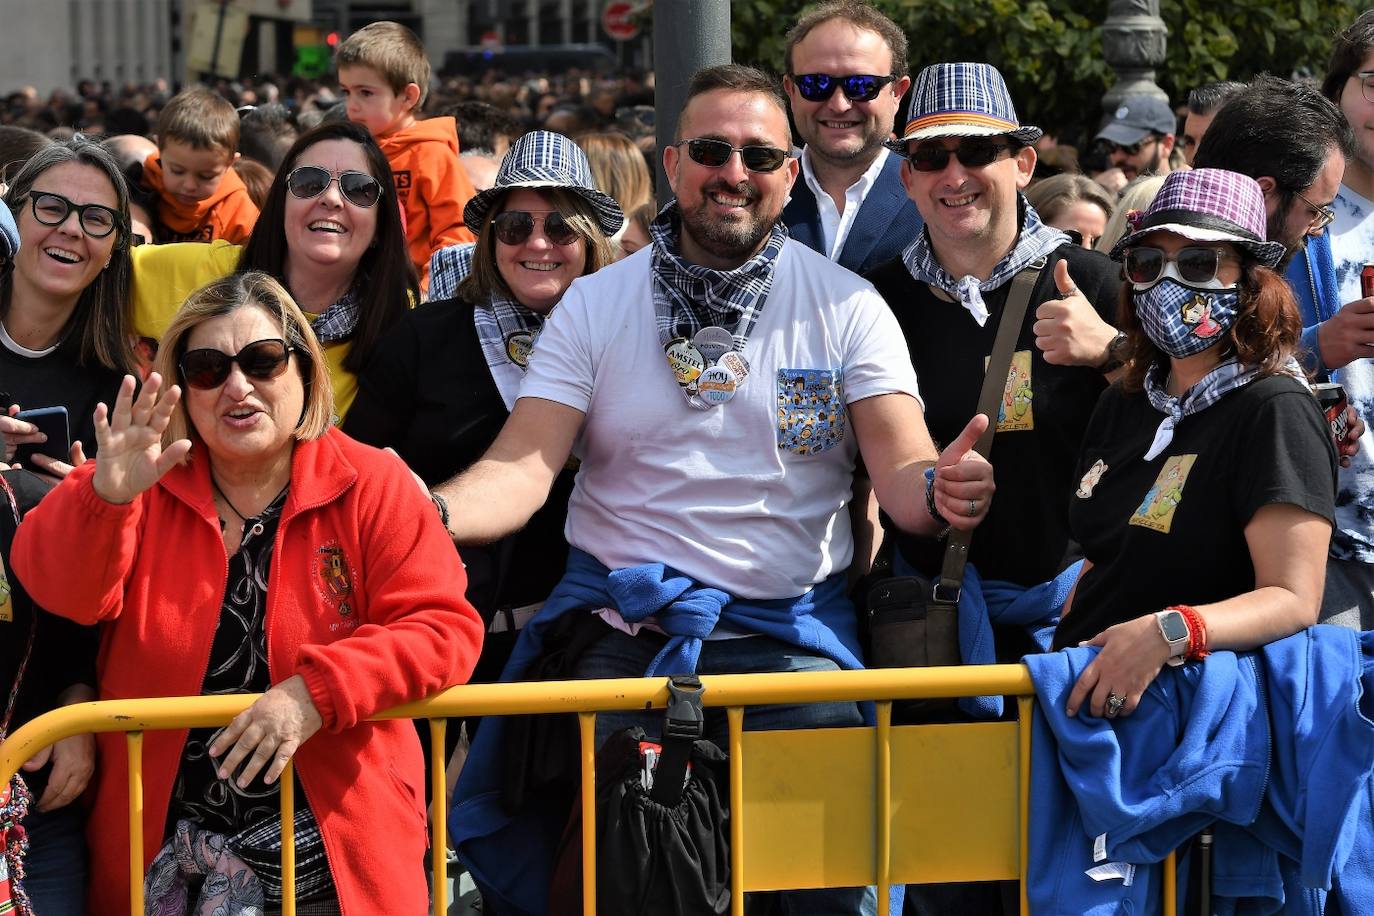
384,75
199,195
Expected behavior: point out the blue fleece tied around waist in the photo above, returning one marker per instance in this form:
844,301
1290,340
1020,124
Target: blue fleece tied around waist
510,854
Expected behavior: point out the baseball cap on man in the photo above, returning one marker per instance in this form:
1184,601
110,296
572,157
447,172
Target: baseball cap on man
1136,118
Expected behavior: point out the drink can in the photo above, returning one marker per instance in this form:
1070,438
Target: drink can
1367,280
1333,402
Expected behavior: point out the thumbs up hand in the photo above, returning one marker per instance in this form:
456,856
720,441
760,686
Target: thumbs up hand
1068,330
963,483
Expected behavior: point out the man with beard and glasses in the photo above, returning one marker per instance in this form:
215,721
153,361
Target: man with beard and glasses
720,385
846,75
1297,143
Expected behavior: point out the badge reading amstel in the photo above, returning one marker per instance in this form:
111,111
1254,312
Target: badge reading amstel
685,360
518,347
713,342
717,385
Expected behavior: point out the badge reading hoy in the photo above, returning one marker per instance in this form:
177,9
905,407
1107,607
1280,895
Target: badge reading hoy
713,342
685,360
717,385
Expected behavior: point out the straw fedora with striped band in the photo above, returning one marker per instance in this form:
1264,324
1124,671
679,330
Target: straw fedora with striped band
962,100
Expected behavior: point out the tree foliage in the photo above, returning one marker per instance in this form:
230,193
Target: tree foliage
1050,51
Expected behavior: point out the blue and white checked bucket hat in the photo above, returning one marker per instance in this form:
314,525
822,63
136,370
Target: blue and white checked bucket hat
542,159
962,100
1206,205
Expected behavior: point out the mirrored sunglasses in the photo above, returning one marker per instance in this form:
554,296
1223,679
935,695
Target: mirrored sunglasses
514,227
972,154
261,360
96,221
715,153
857,87
358,188
1196,265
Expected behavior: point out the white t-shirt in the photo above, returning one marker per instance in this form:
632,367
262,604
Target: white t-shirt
1352,245
749,496
835,225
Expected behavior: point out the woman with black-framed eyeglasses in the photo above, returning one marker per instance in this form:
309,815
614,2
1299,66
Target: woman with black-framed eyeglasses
330,231
63,344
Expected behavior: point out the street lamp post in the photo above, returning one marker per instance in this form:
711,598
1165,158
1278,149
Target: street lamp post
1133,42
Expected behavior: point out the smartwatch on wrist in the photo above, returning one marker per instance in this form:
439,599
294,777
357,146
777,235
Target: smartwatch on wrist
1174,628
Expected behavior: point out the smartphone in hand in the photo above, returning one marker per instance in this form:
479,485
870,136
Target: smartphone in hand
52,422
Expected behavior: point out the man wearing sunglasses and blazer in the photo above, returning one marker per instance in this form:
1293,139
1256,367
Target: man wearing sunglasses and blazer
846,74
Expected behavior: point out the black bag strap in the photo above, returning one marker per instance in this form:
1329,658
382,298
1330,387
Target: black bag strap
951,582
683,723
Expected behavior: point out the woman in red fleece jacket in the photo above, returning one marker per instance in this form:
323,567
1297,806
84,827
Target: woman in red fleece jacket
234,542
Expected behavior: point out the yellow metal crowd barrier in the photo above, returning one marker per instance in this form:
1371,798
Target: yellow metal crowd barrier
842,807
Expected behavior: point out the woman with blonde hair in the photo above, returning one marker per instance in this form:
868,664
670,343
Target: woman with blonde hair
247,546
618,168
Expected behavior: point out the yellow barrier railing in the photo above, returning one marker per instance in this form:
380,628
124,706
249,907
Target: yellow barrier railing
586,698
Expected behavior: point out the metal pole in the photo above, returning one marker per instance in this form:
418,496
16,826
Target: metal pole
688,35
219,34
1134,38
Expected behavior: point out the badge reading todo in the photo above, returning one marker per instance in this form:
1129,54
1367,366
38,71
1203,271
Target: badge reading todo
685,360
713,342
717,385
518,347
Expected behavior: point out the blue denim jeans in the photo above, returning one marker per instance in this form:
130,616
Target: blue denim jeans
55,866
618,654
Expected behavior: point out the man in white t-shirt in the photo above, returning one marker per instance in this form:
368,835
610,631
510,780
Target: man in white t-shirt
720,385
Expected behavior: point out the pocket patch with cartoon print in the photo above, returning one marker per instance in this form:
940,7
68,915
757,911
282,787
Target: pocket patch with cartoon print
1156,510
811,414
1014,411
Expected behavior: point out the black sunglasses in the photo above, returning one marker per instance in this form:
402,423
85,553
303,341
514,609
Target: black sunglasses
513,227
973,154
1196,265
857,87
96,221
261,360
715,153
1107,147
358,188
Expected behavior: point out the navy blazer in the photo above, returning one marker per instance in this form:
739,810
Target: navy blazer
886,223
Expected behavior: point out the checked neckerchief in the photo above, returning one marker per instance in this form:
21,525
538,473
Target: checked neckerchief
1035,241
1212,387
496,323
689,297
339,320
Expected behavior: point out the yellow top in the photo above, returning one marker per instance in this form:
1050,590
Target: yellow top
165,275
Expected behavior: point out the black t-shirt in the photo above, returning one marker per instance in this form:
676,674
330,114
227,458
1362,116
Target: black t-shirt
1025,537
55,380
1172,530
427,392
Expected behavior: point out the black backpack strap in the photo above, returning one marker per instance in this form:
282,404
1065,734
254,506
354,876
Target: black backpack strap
683,723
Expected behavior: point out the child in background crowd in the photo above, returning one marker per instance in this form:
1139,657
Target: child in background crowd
199,196
384,74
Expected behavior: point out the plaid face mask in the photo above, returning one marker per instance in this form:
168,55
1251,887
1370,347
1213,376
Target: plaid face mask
1183,321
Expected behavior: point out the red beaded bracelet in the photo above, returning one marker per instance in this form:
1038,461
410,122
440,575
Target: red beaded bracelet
1197,632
